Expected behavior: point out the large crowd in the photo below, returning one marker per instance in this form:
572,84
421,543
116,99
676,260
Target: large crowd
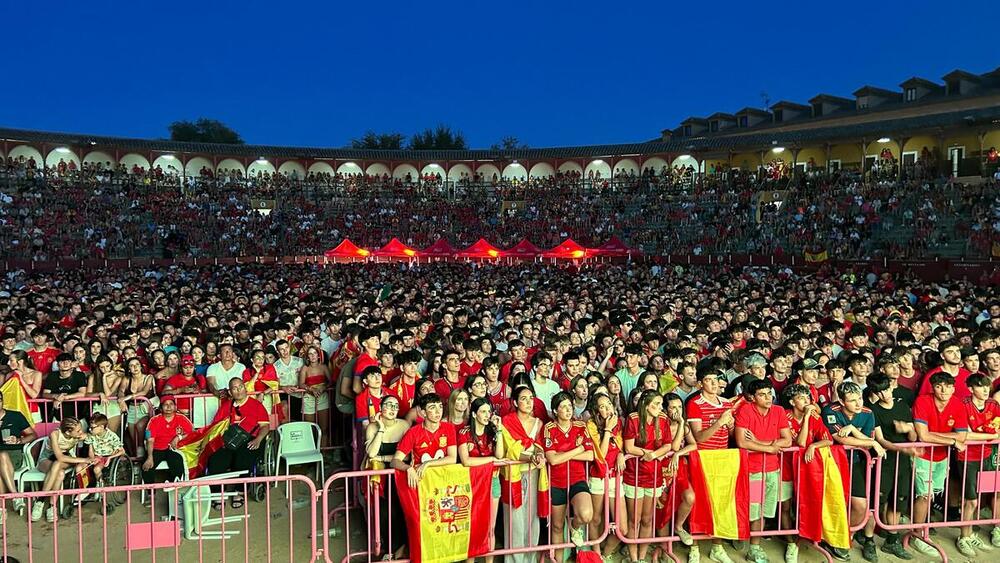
100,211
605,370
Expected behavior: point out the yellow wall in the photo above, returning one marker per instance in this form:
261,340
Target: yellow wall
876,148
746,160
719,164
818,154
917,144
848,154
970,141
992,140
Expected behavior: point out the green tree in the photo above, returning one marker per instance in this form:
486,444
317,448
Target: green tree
379,141
440,138
509,143
204,130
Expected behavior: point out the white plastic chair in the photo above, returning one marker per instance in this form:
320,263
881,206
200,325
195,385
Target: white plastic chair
298,444
162,466
195,508
29,472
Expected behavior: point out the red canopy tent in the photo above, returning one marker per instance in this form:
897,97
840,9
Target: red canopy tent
524,250
615,247
395,249
347,250
569,249
481,249
440,249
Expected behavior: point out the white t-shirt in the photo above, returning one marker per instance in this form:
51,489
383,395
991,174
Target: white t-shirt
545,391
288,374
219,377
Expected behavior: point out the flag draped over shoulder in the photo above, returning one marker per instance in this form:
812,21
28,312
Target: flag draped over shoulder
823,497
199,445
15,400
447,515
514,439
721,485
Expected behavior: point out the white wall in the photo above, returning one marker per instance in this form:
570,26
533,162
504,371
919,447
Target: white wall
131,159
487,171
456,171
433,168
100,158
55,156
656,163
290,166
321,168
570,167
27,152
194,166
349,168
260,167
401,171
626,165
515,171
542,170
598,166
171,165
231,164
377,169
685,161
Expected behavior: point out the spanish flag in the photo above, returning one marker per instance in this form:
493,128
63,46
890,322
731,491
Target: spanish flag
515,441
721,485
447,515
199,445
15,400
823,497
817,256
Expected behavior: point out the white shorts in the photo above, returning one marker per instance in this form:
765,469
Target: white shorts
597,486
312,405
641,492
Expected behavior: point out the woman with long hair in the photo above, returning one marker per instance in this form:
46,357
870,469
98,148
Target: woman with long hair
647,438
314,376
103,384
58,455
133,393
605,429
22,369
480,443
568,450
476,386
382,437
616,394
458,408
580,392
519,483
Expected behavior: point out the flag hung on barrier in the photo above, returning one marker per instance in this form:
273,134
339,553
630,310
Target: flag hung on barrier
721,485
823,509
447,515
14,399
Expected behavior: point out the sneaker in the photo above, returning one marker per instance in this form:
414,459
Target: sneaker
894,546
756,555
576,536
18,505
719,555
924,548
995,537
50,514
965,547
694,555
792,553
685,537
978,543
868,551
37,510
838,553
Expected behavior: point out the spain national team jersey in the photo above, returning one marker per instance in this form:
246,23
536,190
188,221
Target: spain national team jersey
707,413
558,440
423,445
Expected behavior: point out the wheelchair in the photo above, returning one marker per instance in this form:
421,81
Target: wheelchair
121,472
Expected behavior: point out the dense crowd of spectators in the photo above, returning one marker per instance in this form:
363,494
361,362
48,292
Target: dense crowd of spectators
94,211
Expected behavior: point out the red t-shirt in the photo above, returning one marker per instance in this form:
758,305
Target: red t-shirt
556,440
701,410
404,392
43,360
822,395
613,450
163,431
500,400
367,405
364,361
765,428
952,418
443,387
480,447
250,416
468,369
986,421
179,381
650,473
817,430
423,445
911,382
961,389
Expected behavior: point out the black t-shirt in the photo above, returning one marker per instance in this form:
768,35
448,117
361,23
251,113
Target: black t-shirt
72,384
884,419
903,395
13,423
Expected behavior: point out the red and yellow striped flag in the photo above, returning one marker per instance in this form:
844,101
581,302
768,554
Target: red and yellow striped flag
443,519
721,485
199,445
15,400
823,511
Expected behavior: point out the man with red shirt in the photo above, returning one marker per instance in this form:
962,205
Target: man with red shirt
249,414
430,444
984,424
42,355
951,364
404,386
518,353
452,376
369,401
162,434
939,419
762,429
473,358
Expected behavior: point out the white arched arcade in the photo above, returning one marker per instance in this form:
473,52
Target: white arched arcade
598,166
100,158
292,169
515,171
541,170
132,159
377,169
232,166
458,171
626,166
196,164
432,169
259,167
320,168
349,169
488,171
402,170
28,152
687,160
61,154
570,167
656,164
170,164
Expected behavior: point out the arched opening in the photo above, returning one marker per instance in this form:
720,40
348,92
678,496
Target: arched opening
488,172
195,166
170,164
656,164
597,169
571,168
349,169
377,169
401,172
100,159
432,170
62,155
541,170
231,167
686,161
132,160
320,168
626,166
459,172
25,154
292,169
515,171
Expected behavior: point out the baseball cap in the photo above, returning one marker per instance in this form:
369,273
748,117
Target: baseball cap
187,360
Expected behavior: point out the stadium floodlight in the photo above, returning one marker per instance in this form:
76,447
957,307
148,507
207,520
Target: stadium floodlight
884,140
63,150
778,150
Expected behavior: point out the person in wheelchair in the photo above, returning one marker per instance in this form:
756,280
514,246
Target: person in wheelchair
249,424
104,444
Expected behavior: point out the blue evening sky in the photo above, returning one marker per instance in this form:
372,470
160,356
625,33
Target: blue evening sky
551,74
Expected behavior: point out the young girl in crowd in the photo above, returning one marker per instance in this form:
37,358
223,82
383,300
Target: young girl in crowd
647,437
568,450
479,443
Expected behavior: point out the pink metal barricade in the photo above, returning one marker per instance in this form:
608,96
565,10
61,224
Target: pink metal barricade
83,407
188,527
979,479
